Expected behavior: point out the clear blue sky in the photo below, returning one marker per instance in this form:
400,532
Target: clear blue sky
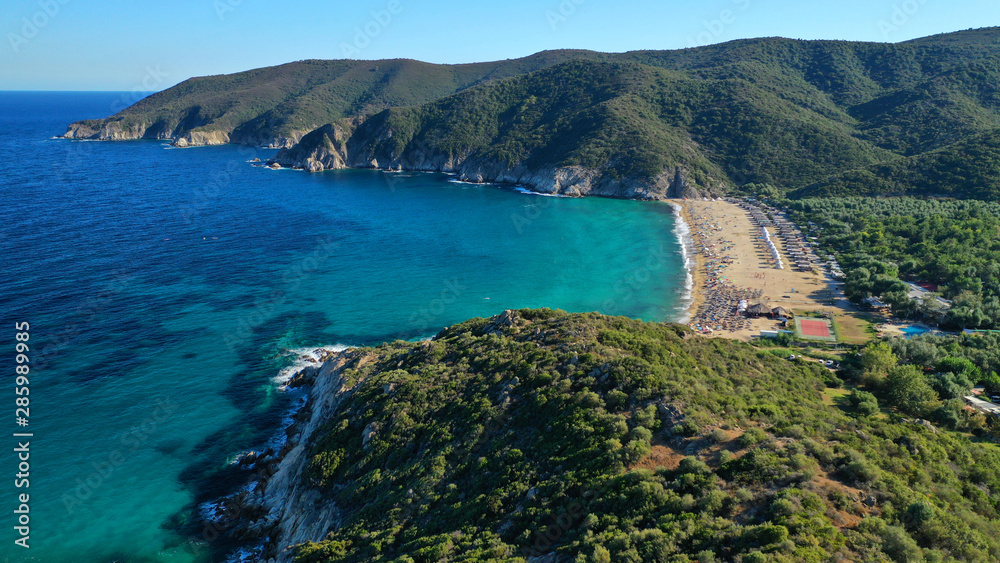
126,45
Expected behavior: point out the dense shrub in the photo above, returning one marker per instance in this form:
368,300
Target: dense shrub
513,445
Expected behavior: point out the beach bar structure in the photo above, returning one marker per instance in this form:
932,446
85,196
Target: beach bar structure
774,333
780,312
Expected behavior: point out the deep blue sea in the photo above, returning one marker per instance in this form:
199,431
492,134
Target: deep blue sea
165,289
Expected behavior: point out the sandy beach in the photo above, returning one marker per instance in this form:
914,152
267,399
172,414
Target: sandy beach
731,263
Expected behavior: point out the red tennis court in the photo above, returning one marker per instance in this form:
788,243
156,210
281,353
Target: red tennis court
814,328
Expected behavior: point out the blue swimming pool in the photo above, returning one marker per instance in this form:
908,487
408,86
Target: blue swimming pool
912,331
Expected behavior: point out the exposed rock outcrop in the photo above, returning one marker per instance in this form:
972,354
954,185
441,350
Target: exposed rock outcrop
103,130
322,149
201,138
347,145
284,506
503,322
120,130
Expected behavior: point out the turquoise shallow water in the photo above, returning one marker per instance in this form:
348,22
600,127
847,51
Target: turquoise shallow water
165,287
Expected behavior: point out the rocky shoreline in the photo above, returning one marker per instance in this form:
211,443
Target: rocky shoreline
348,144
570,181
106,130
278,507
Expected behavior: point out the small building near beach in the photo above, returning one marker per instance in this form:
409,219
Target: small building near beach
876,304
781,312
758,310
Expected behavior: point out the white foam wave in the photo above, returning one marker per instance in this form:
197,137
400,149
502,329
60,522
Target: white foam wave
454,180
172,146
524,190
683,233
305,358
244,554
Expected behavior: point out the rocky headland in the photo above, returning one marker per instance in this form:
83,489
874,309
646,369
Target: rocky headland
337,146
127,130
281,508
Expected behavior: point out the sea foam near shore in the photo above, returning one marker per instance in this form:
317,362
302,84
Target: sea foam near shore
305,358
683,233
526,191
308,357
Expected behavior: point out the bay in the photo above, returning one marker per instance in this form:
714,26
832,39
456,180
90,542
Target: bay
166,288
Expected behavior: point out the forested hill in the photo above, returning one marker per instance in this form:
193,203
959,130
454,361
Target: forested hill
542,436
277,105
816,116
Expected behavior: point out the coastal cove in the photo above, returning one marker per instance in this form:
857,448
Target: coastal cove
501,282
165,299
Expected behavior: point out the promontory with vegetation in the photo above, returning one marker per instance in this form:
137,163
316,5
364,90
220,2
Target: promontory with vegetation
538,435
820,117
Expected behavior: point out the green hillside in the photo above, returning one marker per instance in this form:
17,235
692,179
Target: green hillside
817,116
969,168
262,105
592,438
629,120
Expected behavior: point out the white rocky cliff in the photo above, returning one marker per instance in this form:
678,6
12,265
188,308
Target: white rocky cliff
283,506
338,146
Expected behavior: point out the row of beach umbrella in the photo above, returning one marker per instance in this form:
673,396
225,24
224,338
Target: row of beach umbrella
774,249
